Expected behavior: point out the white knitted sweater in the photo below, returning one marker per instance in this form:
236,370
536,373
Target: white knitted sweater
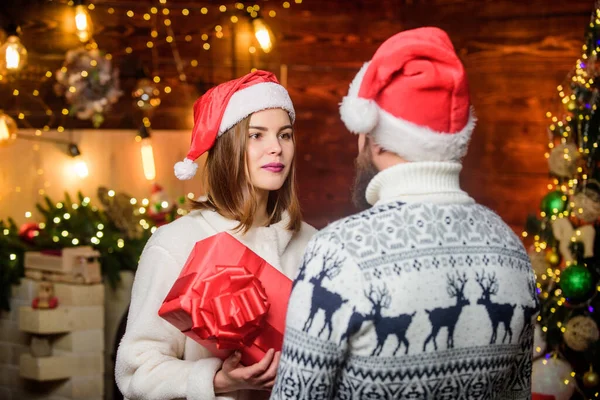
155,361
427,295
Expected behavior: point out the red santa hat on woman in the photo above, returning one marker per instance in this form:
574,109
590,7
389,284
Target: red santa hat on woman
413,98
223,106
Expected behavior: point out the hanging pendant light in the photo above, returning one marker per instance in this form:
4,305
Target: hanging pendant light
83,22
79,165
147,154
8,130
263,34
13,55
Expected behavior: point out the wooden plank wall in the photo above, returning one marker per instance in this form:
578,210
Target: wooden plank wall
30,170
515,52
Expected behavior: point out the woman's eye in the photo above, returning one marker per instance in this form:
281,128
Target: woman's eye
254,135
285,135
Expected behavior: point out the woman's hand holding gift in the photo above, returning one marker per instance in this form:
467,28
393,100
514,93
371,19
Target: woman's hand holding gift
260,376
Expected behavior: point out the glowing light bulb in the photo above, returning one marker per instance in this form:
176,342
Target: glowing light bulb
13,55
147,154
263,34
8,130
83,23
12,58
148,160
80,167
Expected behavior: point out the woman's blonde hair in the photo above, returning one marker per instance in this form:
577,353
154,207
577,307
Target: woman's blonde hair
229,190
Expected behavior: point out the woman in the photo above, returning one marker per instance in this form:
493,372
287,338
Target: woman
246,127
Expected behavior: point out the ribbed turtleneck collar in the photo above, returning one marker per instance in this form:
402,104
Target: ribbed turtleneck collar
418,182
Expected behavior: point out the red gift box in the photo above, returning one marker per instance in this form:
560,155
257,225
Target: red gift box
228,298
537,396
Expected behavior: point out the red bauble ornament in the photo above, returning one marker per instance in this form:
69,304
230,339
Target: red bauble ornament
29,231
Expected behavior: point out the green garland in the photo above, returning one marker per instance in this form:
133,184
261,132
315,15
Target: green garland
119,236
12,250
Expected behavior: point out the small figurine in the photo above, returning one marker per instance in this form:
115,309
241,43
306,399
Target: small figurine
45,297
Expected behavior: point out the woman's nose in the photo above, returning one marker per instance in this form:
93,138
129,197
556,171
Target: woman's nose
274,146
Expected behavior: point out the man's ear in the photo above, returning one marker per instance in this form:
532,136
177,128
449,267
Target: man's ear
376,149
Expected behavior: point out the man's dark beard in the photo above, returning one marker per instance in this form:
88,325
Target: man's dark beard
365,172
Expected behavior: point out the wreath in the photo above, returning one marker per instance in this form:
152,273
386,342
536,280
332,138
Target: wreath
89,83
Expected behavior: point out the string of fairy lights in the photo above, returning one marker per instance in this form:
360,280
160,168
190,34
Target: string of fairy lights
560,133
167,13
21,115
143,208
161,16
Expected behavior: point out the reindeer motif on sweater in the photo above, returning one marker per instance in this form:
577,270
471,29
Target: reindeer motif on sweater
411,301
498,313
324,299
384,326
448,316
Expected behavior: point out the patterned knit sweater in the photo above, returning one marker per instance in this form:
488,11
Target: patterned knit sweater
427,295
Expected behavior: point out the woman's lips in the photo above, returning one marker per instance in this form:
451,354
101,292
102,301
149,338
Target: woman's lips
273,167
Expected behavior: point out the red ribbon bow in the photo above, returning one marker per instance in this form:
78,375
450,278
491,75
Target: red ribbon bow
230,308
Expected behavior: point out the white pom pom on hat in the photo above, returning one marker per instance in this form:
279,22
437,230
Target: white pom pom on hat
360,115
185,169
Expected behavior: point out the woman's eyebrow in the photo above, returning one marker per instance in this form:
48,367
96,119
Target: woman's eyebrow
262,128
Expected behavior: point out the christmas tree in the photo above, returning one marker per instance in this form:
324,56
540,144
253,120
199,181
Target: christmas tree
565,249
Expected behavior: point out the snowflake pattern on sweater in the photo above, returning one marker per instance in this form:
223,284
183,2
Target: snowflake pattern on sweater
411,301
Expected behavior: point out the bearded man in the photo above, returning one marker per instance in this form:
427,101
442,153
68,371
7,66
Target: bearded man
425,294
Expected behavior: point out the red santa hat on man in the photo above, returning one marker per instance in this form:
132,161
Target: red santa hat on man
413,98
223,106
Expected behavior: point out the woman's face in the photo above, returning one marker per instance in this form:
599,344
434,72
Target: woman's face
270,148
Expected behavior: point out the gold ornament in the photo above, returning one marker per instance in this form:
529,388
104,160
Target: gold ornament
553,258
591,379
8,130
580,333
539,263
586,204
120,210
146,95
563,160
